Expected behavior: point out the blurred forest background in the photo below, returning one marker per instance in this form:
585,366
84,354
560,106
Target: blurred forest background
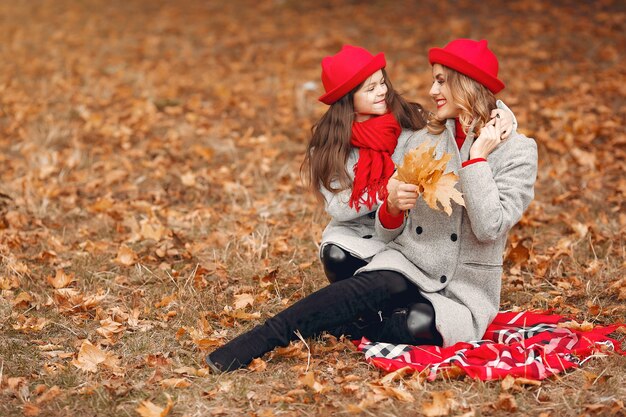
151,206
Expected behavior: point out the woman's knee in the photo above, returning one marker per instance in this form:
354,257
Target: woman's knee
397,283
339,264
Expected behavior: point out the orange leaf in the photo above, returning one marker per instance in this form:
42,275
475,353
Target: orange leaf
149,409
257,365
90,356
60,280
175,383
308,380
440,406
422,169
31,410
243,300
126,256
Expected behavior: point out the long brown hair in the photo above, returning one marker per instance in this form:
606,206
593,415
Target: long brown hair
328,150
474,99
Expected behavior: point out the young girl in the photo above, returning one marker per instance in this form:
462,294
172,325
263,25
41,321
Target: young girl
438,279
352,152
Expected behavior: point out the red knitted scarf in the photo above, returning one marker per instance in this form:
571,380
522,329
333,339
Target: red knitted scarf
376,139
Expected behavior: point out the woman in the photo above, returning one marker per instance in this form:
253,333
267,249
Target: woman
353,151
456,261
427,290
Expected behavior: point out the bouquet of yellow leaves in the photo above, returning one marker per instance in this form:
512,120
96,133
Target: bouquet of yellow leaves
422,169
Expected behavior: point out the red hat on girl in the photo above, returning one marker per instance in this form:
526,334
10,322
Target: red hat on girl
347,69
472,58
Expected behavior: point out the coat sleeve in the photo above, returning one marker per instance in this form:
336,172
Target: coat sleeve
495,200
500,104
384,234
338,207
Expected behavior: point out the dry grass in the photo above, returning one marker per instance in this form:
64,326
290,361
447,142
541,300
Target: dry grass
124,120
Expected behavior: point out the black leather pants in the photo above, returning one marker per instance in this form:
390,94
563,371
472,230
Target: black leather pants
338,263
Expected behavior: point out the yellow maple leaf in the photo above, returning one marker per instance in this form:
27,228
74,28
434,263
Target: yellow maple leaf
422,169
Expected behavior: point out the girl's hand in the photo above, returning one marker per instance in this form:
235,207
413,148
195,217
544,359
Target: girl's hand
506,121
487,141
402,196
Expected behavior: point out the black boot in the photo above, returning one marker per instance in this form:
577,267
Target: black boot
338,263
326,309
421,324
414,325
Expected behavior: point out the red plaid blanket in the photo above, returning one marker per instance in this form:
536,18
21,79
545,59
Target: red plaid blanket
527,344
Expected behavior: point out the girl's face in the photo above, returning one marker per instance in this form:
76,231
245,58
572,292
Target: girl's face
369,100
440,92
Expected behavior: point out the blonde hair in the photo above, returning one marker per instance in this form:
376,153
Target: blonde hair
474,99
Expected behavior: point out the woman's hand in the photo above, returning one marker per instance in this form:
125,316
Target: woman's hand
487,141
401,197
506,121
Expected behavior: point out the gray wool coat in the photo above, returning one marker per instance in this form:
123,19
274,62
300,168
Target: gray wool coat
456,261
354,230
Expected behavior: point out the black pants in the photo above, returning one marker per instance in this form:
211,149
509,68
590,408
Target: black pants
374,295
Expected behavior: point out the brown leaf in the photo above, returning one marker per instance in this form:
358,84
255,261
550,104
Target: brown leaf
507,383
22,300
308,380
441,404
166,300
30,409
519,254
48,395
257,365
149,409
175,383
90,356
397,374
126,256
30,324
61,279
585,326
243,300
506,402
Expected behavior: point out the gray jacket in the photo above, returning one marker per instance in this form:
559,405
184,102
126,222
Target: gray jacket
351,230
456,261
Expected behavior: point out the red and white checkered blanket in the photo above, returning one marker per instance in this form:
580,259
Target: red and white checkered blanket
524,344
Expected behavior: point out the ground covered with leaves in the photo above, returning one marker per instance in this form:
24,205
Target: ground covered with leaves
151,206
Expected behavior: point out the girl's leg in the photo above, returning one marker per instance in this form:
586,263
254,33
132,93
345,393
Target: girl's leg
332,306
338,263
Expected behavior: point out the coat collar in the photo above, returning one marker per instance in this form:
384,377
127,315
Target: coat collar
459,155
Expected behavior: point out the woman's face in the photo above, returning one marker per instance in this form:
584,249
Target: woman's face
440,92
369,100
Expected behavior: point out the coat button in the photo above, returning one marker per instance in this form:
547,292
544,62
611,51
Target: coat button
367,237
454,237
372,215
443,279
418,230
